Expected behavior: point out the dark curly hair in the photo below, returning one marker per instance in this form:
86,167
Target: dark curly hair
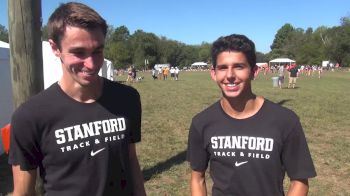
236,43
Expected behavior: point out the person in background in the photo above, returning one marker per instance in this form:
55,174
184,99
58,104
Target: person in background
319,69
293,74
160,73
130,77
166,71
154,75
81,131
172,73
280,76
249,141
177,71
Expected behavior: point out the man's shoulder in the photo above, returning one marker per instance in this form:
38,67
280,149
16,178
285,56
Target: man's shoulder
278,110
39,102
208,113
115,85
116,91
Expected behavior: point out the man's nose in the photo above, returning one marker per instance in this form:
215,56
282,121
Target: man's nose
89,62
230,72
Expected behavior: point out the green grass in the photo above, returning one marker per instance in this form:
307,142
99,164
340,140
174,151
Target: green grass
168,106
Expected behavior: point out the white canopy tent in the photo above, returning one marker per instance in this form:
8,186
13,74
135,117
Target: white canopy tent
199,65
6,97
281,61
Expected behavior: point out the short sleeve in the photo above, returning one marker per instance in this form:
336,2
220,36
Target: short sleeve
197,154
135,134
24,142
296,155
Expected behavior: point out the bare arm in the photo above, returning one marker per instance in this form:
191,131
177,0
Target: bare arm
137,177
198,185
298,188
23,181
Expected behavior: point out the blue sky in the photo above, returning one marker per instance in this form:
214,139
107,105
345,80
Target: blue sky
197,21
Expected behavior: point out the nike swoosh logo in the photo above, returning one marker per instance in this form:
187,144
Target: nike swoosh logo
96,152
237,164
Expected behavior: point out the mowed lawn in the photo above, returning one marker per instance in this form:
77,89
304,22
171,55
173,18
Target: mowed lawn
323,106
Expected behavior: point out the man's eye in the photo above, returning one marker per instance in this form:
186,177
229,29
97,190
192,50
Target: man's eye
79,53
239,66
221,67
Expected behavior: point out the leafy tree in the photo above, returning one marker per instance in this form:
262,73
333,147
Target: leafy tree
204,52
261,57
282,36
338,47
44,33
144,46
119,34
119,53
4,34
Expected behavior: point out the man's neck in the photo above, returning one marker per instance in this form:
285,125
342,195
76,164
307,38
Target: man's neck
242,108
83,94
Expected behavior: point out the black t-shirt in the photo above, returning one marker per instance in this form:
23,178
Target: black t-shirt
249,156
80,148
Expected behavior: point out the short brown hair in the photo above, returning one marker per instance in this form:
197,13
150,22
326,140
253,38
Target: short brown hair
73,14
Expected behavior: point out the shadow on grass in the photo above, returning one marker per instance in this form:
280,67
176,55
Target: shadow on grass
283,101
178,159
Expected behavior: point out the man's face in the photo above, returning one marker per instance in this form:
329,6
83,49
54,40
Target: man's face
233,74
81,54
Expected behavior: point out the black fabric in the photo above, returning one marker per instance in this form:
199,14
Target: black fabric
81,148
249,156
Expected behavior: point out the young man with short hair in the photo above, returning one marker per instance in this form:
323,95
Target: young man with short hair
249,141
81,131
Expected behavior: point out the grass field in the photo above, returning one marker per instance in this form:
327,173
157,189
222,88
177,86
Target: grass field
168,106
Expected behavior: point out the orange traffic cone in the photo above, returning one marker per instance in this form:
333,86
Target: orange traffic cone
5,134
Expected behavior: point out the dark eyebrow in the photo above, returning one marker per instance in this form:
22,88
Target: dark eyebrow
78,49
221,65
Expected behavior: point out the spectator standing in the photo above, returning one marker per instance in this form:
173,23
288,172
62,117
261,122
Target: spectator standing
293,74
177,71
160,73
280,76
172,73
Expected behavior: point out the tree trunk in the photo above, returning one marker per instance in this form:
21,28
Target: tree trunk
26,53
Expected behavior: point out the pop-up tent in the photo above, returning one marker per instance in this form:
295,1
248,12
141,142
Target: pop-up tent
6,97
281,61
199,65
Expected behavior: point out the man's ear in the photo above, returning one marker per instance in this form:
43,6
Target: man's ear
213,73
55,49
255,72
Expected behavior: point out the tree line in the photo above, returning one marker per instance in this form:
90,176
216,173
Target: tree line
312,46
145,49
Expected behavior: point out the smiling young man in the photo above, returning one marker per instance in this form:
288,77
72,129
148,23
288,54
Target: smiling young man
249,141
81,131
